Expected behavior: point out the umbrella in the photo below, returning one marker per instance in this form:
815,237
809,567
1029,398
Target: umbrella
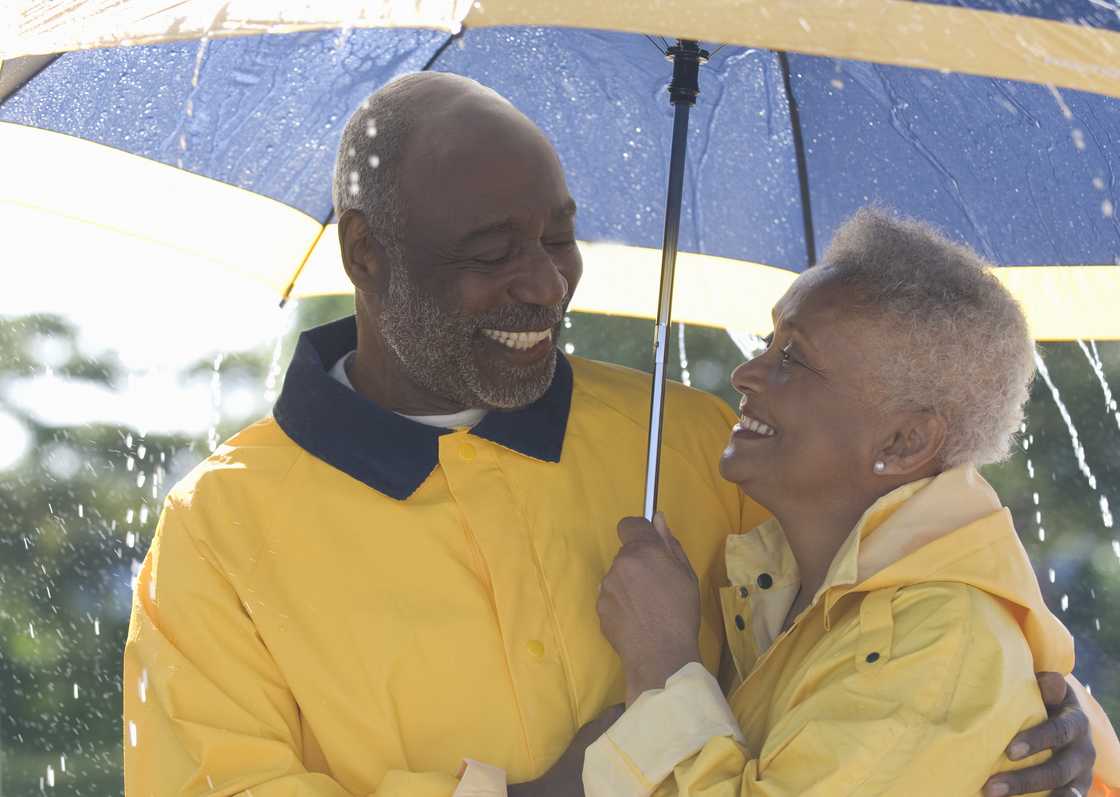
200,147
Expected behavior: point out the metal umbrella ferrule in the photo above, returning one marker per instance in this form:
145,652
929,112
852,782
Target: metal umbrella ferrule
686,56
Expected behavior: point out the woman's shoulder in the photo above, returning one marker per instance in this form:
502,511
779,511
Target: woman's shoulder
963,614
946,644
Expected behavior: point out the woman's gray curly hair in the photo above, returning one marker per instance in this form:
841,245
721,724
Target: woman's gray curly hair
954,340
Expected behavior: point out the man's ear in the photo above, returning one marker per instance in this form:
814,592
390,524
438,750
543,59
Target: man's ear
913,445
363,255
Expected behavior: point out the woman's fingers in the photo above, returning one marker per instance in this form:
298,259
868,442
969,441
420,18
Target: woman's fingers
634,529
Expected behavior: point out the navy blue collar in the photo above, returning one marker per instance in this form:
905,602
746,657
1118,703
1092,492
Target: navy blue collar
392,454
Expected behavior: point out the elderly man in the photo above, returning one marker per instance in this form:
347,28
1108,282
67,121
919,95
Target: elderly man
398,570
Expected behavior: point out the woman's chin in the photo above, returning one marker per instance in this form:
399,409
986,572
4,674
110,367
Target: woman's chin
737,468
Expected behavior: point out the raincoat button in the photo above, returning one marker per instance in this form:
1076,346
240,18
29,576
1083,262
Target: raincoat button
872,658
740,623
743,592
536,648
765,581
466,452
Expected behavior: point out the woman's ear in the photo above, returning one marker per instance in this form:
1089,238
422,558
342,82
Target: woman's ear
363,255
913,445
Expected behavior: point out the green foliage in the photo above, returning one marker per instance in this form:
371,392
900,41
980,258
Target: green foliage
80,508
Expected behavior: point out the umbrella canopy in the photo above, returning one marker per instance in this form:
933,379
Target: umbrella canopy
217,152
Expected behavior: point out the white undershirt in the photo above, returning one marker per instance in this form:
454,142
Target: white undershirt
457,420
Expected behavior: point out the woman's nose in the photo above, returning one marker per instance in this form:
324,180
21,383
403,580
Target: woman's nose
746,378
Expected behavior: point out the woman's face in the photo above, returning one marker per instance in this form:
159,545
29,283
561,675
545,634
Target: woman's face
819,435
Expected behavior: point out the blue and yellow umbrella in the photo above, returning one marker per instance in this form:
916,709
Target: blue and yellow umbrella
208,141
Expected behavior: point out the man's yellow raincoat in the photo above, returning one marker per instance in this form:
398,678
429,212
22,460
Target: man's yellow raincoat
907,675
341,601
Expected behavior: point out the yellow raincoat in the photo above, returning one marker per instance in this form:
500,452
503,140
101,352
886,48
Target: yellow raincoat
907,675
343,602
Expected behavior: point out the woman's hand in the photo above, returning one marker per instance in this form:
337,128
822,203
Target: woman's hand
649,605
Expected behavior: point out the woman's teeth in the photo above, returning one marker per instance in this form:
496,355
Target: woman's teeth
758,427
518,340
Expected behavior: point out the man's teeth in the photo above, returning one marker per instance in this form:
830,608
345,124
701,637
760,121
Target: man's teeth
517,340
758,427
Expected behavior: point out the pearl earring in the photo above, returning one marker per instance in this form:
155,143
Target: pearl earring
880,466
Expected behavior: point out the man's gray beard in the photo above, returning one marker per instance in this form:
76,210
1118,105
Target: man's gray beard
437,348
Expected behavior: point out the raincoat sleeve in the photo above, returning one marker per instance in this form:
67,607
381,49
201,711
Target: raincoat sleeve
206,709
929,716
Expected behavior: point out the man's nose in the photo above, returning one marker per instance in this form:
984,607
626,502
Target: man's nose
539,281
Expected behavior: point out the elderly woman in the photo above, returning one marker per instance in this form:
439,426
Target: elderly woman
885,627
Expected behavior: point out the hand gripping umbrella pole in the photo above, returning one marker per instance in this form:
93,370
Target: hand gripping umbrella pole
686,57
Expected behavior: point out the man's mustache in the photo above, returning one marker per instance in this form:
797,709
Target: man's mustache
521,317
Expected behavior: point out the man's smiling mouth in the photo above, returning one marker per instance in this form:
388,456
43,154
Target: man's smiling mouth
519,341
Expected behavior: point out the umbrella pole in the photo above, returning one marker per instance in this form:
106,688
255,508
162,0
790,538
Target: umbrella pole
686,57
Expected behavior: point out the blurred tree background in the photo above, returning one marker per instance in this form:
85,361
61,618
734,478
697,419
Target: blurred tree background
79,501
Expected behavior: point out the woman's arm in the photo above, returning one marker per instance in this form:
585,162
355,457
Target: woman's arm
928,718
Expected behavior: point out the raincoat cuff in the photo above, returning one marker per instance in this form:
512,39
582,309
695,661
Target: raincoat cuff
662,728
477,779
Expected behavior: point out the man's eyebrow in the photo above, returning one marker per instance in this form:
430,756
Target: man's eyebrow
497,227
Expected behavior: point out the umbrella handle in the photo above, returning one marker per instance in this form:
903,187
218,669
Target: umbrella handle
687,57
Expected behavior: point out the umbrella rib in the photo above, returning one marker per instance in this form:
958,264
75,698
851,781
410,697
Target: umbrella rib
802,168
439,51
653,41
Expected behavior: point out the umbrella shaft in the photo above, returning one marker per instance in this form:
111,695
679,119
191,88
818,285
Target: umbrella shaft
665,303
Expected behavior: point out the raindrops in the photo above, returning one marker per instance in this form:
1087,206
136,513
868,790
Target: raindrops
212,435
1075,439
686,377
374,161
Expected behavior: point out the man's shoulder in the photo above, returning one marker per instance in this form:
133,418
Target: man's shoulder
627,392
258,457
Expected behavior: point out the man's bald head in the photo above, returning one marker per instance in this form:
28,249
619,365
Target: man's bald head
412,120
457,230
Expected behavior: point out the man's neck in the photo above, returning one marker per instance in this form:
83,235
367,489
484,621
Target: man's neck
377,374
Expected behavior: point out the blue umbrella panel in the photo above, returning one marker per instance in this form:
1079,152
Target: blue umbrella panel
220,153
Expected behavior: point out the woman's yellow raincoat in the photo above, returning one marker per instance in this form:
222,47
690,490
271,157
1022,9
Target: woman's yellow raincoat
907,675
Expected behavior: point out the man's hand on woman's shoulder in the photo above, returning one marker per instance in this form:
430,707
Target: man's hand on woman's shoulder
1069,771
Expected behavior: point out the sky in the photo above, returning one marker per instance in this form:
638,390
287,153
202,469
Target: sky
155,322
